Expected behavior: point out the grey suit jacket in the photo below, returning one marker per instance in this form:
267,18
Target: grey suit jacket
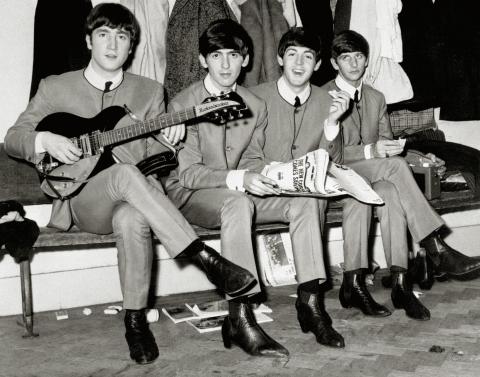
210,151
72,93
372,125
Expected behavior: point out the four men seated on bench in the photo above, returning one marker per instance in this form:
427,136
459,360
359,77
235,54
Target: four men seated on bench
218,182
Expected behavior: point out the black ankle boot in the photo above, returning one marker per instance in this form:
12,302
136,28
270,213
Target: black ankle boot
404,298
140,340
313,317
241,328
227,276
354,293
449,262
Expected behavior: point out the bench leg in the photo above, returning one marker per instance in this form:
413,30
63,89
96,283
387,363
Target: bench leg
27,306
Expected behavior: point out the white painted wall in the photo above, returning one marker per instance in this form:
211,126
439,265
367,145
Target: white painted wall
87,277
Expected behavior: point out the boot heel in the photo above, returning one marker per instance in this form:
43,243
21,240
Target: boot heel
343,301
227,341
303,325
396,303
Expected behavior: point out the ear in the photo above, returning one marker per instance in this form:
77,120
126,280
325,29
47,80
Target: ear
280,60
203,61
317,66
334,64
88,39
246,59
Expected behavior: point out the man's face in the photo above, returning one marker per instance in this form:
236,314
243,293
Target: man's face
224,67
351,66
298,66
110,49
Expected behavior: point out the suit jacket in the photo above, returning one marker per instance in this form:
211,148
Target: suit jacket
210,151
286,140
72,93
372,125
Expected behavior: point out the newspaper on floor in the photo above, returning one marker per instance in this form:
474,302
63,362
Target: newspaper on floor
276,259
314,175
178,313
219,308
203,325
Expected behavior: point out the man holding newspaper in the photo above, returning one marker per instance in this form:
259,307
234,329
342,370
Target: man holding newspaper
302,118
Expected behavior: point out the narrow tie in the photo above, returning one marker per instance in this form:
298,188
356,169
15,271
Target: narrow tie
108,84
297,102
355,97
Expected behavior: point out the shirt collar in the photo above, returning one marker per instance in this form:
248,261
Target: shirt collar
288,95
212,89
98,81
350,89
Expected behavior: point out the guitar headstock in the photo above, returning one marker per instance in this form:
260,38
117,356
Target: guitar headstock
223,108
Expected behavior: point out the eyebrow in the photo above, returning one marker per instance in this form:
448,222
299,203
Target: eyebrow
308,50
106,29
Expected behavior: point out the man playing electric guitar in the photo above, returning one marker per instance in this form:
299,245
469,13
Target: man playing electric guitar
119,199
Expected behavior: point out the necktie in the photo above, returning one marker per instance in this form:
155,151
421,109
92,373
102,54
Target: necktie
108,84
355,97
297,102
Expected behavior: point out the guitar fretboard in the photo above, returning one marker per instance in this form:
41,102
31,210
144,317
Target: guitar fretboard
145,127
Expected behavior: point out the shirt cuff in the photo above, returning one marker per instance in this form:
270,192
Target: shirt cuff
331,132
38,143
368,151
235,180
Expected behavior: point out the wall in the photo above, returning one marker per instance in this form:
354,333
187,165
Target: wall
87,277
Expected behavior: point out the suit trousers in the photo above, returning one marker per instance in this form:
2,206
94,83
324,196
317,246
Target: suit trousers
122,200
356,221
406,208
235,212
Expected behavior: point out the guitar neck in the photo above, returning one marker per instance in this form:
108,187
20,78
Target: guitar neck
140,128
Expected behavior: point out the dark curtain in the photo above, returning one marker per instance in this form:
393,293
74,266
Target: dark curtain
316,16
59,38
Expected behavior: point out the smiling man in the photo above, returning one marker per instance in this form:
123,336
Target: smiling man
118,199
298,124
218,184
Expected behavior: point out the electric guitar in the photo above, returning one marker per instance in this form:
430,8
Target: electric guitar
96,137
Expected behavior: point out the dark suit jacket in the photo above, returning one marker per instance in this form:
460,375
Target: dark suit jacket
210,151
373,124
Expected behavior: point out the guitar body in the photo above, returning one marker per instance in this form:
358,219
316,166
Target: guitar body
69,179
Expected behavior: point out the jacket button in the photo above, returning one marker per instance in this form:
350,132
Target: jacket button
294,147
228,148
330,146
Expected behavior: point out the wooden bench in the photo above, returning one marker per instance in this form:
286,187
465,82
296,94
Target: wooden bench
19,181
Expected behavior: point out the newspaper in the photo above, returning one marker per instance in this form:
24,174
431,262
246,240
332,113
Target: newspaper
315,175
276,259
219,308
203,325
